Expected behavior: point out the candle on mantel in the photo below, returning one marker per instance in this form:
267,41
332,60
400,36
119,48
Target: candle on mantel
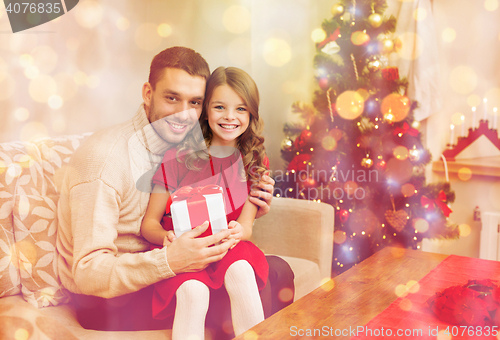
473,117
485,107
452,127
463,125
495,118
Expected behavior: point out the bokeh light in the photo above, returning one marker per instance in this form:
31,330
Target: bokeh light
339,236
397,105
329,143
31,72
359,38
26,60
7,87
493,97
420,14
285,295
464,174
401,290
463,79
327,284
23,43
364,94
45,59
491,5
21,334
88,13
33,130
336,133
464,230
239,51
350,187
146,37
42,87
421,225
448,35
249,335
405,305
277,52
413,286
122,23
21,114
399,171
55,102
456,118
400,152
80,78
408,190
350,105
444,335
318,35
412,46
236,19
164,30
473,100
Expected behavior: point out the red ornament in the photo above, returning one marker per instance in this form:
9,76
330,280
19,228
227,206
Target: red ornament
390,73
323,84
406,129
299,162
382,164
303,139
344,215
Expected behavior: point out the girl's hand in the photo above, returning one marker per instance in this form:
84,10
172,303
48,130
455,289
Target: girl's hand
236,232
169,238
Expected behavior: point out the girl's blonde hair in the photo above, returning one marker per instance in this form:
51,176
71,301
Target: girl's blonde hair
250,143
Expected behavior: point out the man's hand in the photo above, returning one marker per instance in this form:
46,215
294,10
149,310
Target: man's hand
190,254
262,198
236,232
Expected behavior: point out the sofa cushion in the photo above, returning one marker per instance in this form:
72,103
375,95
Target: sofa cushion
35,227
307,275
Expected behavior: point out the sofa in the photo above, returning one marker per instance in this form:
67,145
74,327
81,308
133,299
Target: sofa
34,305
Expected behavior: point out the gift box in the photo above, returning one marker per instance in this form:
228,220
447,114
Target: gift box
190,207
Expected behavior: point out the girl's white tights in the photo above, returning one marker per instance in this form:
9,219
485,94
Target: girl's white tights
246,306
190,311
193,299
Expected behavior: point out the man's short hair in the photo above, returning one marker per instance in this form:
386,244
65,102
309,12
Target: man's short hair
178,57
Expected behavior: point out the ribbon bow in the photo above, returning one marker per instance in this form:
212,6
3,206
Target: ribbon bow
192,194
332,37
440,202
406,129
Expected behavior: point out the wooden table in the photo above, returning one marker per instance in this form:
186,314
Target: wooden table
351,299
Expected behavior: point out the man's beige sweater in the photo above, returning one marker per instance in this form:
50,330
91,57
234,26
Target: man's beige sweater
101,251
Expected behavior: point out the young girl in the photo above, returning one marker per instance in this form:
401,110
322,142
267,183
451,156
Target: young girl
231,154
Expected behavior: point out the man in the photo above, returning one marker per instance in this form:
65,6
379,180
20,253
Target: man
103,260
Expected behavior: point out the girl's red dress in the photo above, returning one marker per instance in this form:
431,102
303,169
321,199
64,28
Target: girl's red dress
225,172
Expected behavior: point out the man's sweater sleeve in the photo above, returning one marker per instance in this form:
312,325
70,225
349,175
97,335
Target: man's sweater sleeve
97,268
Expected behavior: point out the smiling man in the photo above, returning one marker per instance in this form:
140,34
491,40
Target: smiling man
103,259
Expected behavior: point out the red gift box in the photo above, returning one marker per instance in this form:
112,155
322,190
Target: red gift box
190,207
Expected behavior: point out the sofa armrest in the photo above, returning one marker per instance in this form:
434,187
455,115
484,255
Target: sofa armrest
298,228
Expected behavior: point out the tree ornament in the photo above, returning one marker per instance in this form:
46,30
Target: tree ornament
397,219
389,117
387,46
415,125
323,83
375,20
355,66
337,9
365,125
381,165
367,162
414,154
344,215
331,48
374,64
286,144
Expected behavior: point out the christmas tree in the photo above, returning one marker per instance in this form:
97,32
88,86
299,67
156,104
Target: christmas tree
358,146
